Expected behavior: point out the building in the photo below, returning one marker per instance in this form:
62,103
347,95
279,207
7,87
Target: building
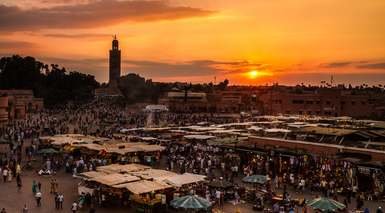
180,101
3,108
275,100
234,101
323,102
115,59
16,104
112,90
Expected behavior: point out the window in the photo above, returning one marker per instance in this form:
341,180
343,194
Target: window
353,103
309,102
298,101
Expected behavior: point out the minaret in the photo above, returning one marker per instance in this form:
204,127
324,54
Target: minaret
114,63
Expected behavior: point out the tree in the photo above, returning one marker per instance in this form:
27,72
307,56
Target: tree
223,85
55,85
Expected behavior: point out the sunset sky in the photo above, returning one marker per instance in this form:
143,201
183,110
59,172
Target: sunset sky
247,41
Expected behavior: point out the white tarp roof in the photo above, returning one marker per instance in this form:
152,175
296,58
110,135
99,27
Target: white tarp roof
237,124
118,168
199,137
255,128
144,186
155,108
114,179
157,174
186,178
276,130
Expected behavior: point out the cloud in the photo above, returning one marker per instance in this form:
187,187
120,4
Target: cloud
9,45
190,68
337,64
363,64
380,65
92,14
43,3
156,69
78,36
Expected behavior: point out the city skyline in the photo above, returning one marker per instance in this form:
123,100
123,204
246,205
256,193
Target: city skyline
256,42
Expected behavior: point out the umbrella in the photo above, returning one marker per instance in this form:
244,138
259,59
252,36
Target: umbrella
326,204
261,179
48,151
220,184
191,202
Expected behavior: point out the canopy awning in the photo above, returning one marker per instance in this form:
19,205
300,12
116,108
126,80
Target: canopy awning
144,186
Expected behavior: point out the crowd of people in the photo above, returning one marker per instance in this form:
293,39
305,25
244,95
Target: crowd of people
286,175
340,180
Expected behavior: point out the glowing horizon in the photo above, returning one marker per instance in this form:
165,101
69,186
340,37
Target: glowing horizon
196,41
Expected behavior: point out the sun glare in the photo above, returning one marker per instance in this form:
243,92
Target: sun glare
253,74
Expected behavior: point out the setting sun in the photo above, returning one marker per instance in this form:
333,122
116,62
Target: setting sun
253,74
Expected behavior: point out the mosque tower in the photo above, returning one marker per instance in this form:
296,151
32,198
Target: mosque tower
114,63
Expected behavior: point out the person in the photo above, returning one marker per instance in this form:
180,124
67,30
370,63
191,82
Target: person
38,198
18,169
34,187
9,177
25,209
61,200
56,199
18,182
379,210
39,186
3,210
74,207
52,186
276,208
218,197
5,175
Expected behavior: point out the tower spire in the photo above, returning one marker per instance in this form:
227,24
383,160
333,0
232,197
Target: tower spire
114,62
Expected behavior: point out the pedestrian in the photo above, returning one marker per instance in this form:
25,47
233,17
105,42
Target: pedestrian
38,198
18,169
3,210
61,200
9,177
56,199
379,210
52,186
25,209
34,187
18,182
74,207
5,175
56,186
39,186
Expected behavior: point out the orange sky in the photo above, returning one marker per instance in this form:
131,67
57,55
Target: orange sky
289,42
